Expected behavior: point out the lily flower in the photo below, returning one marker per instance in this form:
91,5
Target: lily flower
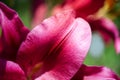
53,50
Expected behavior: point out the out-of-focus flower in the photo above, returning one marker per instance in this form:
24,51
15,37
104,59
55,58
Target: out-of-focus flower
53,50
83,8
39,10
87,10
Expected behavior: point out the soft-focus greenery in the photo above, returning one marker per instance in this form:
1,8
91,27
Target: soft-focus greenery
109,57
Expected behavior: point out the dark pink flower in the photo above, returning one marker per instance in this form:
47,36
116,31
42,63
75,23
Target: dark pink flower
53,50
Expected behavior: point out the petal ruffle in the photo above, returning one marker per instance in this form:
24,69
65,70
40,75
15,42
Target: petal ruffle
10,71
66,60
95,73
13,32
107,29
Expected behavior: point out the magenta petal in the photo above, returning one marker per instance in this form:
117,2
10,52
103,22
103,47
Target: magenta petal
10,71
67,58
13,32
108,30
95,73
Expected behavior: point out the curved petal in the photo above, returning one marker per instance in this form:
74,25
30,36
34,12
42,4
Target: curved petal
44,37
10,71
66,60
95,72
13,32
107,29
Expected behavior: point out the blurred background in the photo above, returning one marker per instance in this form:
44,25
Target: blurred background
99,54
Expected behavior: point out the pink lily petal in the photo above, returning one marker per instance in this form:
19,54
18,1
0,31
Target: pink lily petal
83,8
13,32
107,29
10,71
95,73
60,42
66,60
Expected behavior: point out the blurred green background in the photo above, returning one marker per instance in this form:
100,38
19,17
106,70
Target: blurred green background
107,55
